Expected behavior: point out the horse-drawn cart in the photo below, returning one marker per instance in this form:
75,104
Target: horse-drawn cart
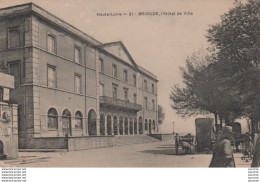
187,144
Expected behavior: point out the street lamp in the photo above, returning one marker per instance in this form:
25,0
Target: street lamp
173,127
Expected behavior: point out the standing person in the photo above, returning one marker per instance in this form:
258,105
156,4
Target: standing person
248,146
177,142
256,155
223,153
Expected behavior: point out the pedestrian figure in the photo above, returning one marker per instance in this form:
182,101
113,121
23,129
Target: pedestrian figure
177,142
256,155
248,146
223,153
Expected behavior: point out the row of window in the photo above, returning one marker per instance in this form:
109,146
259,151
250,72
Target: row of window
78,124
125,75
52,47
149,125
146,104
52,79
114,95
52,83
114,72
14,41
66,119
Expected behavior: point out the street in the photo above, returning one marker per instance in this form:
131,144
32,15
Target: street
157,154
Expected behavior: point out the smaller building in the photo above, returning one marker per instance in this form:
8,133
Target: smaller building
8,119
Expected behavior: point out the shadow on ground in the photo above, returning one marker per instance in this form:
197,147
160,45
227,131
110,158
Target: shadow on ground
160,152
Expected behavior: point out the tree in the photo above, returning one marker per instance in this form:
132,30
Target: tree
199,95
227,84
161,114
205,91
237,41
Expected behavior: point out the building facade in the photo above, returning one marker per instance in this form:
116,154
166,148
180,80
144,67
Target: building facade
69,85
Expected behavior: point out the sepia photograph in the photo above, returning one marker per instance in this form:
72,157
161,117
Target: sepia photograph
129,84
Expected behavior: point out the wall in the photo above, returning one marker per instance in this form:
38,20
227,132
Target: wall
33,95
107,79
9,130
64,96
90,142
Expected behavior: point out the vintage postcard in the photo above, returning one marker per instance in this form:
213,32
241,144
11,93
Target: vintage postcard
125,83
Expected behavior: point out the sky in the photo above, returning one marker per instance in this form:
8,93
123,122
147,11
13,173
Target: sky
157,43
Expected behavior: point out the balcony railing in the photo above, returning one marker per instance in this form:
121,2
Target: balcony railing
117,103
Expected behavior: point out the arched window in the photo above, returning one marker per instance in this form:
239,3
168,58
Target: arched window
140,125
121,125
150,127
92,122
146,125
109,125
131,126
135,126
115,125
52,119
126,125
78,118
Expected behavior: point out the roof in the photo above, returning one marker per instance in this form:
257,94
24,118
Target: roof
120,44
147,72
107,47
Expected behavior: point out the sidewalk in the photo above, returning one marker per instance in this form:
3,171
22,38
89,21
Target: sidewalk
157,154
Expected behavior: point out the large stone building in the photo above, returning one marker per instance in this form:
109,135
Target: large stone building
69,86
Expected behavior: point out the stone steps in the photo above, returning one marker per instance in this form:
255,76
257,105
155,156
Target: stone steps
133,139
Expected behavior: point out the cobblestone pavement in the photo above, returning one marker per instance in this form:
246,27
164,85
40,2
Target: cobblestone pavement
157,154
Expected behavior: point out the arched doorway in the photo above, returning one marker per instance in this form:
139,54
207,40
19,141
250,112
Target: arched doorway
115,125
150,126
66,122
102,124
109,125
121,125
145,125
92,122
135,126
131,127
140,124
126,126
